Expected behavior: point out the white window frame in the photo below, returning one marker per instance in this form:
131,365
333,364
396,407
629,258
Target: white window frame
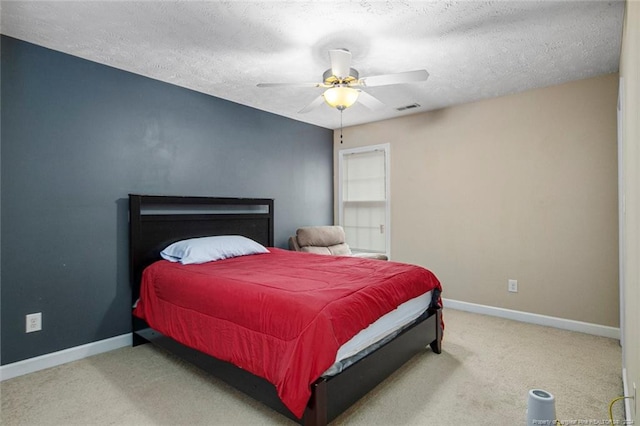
386,147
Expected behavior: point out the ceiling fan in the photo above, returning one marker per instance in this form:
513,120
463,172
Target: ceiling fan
344,84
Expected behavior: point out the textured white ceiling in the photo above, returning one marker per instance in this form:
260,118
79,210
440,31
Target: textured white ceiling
472,49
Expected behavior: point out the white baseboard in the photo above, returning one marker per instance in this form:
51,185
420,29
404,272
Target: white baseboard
53,359
565,324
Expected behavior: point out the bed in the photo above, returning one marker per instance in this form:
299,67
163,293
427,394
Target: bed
157,221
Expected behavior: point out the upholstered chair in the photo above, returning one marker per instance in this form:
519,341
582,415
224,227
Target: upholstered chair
329,240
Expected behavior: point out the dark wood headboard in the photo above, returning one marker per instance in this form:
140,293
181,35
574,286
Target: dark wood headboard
157,221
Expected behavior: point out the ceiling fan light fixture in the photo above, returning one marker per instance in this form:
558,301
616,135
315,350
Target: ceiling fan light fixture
341,97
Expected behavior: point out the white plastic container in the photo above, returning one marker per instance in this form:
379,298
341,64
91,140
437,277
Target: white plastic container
541,408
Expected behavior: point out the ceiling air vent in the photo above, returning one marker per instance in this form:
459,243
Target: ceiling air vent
412,106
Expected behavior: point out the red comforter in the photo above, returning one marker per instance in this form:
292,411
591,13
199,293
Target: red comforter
282,315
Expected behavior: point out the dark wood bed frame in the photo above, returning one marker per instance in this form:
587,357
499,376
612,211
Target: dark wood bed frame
157,221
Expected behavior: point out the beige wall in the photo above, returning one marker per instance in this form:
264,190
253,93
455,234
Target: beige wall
630,74
519,187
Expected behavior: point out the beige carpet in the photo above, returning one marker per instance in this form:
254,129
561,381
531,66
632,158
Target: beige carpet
481,378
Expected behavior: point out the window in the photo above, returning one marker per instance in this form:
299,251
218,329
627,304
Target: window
363,197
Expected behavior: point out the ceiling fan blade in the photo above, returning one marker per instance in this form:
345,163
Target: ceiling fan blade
340,62
314,104
399,78
290,85
369,101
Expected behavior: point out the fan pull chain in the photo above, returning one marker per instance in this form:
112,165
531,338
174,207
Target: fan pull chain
341,111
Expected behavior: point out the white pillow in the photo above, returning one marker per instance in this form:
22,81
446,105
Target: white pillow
207,249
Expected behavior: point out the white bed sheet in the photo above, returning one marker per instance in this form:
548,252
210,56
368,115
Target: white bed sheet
385,325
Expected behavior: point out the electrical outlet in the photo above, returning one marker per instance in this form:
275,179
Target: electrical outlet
34,322
513,286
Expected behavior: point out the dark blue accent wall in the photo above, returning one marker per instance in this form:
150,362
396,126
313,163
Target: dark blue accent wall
77,138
